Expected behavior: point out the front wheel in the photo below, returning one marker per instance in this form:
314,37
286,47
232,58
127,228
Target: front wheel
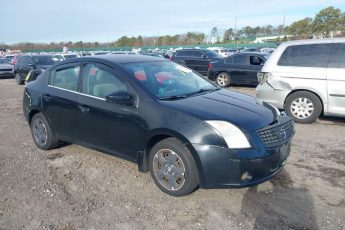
304,107
42,134
223,79
19,80
173,168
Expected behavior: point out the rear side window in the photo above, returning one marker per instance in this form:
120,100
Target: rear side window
184,53
66,78
197,54
337,56
240,59
311,55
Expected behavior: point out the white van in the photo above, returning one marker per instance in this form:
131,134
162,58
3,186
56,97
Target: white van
306,78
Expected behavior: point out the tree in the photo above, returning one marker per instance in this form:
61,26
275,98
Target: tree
327,20
301,28
214,34
228,34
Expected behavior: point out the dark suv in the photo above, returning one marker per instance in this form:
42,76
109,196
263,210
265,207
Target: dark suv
196,59
27,63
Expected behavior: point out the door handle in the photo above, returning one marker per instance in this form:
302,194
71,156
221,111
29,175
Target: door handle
83,108
47,97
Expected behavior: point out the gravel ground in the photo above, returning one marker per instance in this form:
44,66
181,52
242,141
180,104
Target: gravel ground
77,188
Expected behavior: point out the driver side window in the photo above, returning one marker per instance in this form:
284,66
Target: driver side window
100,83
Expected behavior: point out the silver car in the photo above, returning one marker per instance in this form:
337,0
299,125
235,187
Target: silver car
6,69
306,78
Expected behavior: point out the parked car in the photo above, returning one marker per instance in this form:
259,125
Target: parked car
26,63
306,78
196,59
169,120
64,56
240,68
6,69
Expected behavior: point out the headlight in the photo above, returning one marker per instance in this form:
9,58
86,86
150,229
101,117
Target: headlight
233,136
263,77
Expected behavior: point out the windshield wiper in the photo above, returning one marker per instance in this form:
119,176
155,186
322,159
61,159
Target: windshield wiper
176,97
201,91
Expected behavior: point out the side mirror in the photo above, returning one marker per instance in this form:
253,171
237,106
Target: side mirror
203,56
120,97
30,65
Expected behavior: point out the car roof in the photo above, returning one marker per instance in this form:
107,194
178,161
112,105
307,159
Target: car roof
115,59
312,41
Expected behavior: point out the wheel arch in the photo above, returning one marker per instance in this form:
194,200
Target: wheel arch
159,135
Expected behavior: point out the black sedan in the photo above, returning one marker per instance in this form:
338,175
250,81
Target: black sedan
162,116
240,68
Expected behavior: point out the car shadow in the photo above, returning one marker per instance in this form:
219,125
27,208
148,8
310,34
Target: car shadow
334,120
276,204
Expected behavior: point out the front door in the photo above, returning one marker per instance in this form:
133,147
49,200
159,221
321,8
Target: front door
336,80
102,124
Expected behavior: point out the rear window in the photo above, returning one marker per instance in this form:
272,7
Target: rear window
337,56
311,55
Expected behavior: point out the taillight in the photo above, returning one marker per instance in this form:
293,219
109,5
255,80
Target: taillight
210,66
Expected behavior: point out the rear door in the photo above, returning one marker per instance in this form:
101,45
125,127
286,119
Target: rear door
336,79
60,101
200,62
238,68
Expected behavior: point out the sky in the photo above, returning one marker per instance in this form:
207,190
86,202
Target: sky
106,20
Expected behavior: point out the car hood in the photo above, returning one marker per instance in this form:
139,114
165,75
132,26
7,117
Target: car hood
6,66
239,109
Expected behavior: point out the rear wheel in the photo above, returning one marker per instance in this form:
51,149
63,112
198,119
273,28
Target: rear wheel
42,134
223,79
304,107
173,168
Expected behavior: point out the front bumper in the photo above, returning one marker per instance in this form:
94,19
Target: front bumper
226,168
6,74
264,92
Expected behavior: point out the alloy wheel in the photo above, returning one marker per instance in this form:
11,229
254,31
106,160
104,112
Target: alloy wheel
222,79
302,108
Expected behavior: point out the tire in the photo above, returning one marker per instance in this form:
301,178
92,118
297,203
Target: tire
303,106
223,79
18,79
173,168
42,134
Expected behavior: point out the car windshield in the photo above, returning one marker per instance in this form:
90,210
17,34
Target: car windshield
168,80
4,60
213,54
43,60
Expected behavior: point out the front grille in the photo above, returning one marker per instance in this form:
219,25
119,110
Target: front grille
276,134
5,70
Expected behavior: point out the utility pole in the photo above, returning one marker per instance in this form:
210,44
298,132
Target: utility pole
283,24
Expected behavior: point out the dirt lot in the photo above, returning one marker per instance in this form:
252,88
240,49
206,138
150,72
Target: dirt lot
77,188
